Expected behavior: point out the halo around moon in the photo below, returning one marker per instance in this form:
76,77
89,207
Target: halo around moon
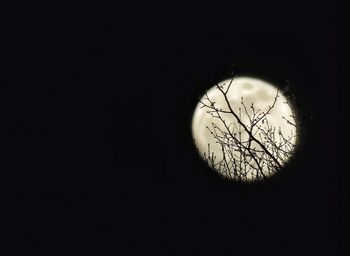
254,141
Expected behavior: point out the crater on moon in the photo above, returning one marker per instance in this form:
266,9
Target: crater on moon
247,86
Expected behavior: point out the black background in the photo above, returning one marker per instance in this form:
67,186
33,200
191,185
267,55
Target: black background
100,148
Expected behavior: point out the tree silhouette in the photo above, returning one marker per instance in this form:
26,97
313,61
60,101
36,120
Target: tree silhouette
253,149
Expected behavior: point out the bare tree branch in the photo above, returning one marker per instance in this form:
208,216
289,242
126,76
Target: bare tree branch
246,149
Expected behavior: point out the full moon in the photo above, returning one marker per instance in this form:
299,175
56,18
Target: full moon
245,129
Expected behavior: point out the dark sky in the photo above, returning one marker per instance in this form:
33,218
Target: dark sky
99,122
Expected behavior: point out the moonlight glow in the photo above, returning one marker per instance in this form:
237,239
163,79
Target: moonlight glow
244,128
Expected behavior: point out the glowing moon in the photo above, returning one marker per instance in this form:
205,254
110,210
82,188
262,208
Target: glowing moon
244,128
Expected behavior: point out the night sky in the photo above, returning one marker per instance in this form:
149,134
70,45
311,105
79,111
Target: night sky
101,152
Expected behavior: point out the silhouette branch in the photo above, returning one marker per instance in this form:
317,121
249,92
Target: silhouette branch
256,147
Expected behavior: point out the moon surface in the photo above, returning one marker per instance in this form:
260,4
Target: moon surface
248,97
